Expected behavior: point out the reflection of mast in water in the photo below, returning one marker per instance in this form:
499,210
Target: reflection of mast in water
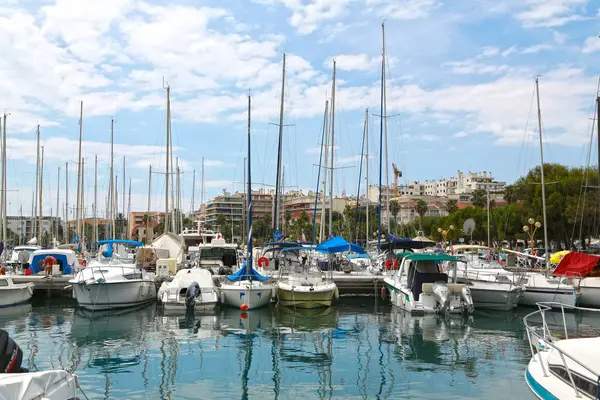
275,360
247,344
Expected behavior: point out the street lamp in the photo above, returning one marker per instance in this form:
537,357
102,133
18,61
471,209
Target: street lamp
445,232
530,230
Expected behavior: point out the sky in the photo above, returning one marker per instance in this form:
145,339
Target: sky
460,90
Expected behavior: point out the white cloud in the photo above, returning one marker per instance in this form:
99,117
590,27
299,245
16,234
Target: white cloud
215,163
354,62
490,51
549,13
536,48
460,134
403,9
559,38
473,67
509,51
429,138
591,44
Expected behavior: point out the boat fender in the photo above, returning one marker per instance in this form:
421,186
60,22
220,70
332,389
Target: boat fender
193,291
383,290
336,294
222,297
11,355
263,262
273,292
391,262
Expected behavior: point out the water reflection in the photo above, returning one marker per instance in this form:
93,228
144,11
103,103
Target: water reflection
359,349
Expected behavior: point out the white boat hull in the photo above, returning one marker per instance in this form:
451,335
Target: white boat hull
402,298
252,294
316,296
501,297
533,295
111,295
15,294
589,292
51,385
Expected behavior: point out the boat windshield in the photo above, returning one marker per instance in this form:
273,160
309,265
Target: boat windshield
227,255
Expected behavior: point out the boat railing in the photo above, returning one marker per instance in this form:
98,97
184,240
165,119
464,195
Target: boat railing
541,338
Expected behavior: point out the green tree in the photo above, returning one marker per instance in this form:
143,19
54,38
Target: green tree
451,206
394,210
421,209
479,198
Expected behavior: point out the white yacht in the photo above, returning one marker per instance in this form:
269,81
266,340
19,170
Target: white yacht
562,365
301,283
490,285
108,283
191,288
12,294
419,287
218,256
246,290
20,257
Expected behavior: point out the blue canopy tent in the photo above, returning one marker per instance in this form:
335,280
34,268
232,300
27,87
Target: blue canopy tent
338,244
244,274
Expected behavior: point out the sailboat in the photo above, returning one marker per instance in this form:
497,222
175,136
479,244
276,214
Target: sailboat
247,289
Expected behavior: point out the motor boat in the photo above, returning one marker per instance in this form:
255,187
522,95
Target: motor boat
12,294
17,383
583,271
301,283
246,289
419,287
114,284
192,288
218,257
564,364
64,262
491,286
19,257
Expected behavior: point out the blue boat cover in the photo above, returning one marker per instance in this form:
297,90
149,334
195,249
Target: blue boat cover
338,244
243,275
353,256
119,241
37,263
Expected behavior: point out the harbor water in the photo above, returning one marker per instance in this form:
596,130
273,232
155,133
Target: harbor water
359,349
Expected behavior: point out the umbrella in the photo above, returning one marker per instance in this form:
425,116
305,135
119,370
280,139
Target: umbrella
556,257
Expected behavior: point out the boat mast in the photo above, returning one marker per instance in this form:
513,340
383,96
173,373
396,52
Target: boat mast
123,209
275,211
149,192
249,190
81,214
79,188
362,155
66,228
202,209
381,144
244,203
385,134
96,197
193,190
112,177
367,172
37,185
326,163
332,151
314,221
166,224
4,197
537,90
128,210
41,227
56,224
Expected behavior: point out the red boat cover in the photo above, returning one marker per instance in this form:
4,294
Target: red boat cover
576,264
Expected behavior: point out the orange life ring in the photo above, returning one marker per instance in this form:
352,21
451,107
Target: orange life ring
263,262
84,262
390,262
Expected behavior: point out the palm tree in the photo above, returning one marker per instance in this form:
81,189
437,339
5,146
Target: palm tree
451,206
479,198
421,208
395,209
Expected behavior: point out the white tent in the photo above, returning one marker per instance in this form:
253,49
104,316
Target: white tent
172,242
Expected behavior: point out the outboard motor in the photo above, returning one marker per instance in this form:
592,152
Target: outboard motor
193,291
442,293
11,355
465,295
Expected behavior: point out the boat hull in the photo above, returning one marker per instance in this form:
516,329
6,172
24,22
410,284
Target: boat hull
427,304
589,292
181,307
545,386
15,294
111,295
240,293
503,297
303,297
533,295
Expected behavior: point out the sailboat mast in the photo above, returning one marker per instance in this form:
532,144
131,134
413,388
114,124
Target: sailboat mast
123,212
112,177
385,135
56,224
202,209
325,163
193,191
332,151
166,224
362,156
79,188
128,232
249,191
37,184
4,197
96,197
537,90
81,214
381,145
66,228
276,211
314,221
41,227
149,193
367,173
